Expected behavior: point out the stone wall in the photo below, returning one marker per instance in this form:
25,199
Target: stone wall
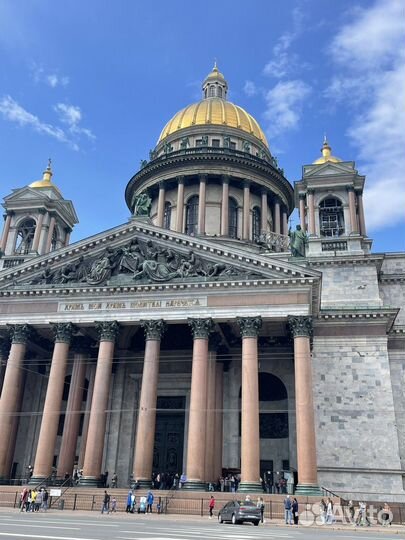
357,441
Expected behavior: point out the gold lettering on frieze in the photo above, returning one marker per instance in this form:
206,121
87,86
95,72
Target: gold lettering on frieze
115,305
96,305
172,303
74,307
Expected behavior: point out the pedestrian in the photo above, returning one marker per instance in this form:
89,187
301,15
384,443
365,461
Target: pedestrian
149,502
329,512
183,480
260,505
322,511
106,503
211,505
38,501
45,498
295,511
386,515
114,480
113,504
350,508
288,511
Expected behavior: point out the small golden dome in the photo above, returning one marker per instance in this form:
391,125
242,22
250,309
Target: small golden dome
215,73
46,178
214,111
326,154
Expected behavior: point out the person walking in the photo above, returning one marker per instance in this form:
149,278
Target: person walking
23,499
350,508
211,506
329,512
287,511
322,511
106,503
295,511
260,505
129,502
149,502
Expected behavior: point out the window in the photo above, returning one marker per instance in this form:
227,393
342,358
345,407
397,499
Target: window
215,143
25,236
232,145
219,92
256,218
211,91
331,217
167,215
233,218
192,215
54,240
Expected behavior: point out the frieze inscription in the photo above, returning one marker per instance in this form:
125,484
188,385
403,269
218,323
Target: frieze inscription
167,303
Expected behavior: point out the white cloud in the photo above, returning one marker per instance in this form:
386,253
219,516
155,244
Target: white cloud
250,88
283,61
52,79
71,115
371,52
284,103
13,112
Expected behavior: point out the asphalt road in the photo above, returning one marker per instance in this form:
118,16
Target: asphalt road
94,526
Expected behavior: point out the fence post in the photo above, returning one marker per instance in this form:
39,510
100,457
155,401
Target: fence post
92,504
400,515
202,507
271,509
74,502
15,499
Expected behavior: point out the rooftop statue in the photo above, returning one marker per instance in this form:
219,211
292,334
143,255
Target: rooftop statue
142,204
298,241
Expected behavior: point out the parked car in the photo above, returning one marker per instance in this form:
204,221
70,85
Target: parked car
240,511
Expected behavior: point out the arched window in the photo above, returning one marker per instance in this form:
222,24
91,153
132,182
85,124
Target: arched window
331,217
192,215
54,240
167,216
219,92
211,91
25,236
256,218
233,218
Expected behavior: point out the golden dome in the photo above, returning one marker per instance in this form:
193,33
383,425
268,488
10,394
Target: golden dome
46,178
214,111
326,154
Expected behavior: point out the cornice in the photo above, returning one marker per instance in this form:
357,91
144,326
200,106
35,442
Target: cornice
361,315
391,278
340,260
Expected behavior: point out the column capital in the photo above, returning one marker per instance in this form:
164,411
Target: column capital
107,330
180,179
203,177
310,191
214,341
162,184
63,332
154,330
9,213
68,230
301,196
246,183
249,326
201,328
349,188
264,191
225,178
300,325
20,333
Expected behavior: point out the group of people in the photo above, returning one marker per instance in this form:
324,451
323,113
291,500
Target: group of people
326,511
291,514
33,500
145,505
109,503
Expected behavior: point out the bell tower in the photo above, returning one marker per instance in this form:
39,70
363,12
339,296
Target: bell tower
37,220
330,202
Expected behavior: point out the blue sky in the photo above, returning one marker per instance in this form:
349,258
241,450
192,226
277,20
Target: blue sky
91,84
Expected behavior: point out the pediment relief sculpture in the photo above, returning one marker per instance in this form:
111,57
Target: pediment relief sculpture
137,261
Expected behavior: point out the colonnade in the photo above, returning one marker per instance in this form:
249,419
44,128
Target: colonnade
204,443
279,211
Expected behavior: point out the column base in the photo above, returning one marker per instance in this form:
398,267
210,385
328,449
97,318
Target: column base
4,481
90,481
251,487
308,489
143,484
35,480
195,485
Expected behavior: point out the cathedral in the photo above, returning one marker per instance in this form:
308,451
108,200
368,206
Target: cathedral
203,337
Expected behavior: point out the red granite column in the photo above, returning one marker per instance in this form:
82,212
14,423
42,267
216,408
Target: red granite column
264,212
250,434
210,416
145,433
202,203
38,230
52,224
4,351
302,212
301,329
219,400
277,216
352,210
53,401
71,428
108,332
311,212
91,372
362,221
11,393
180,204
201,329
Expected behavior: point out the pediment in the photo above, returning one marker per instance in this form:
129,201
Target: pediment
329,169
139,253
25,194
